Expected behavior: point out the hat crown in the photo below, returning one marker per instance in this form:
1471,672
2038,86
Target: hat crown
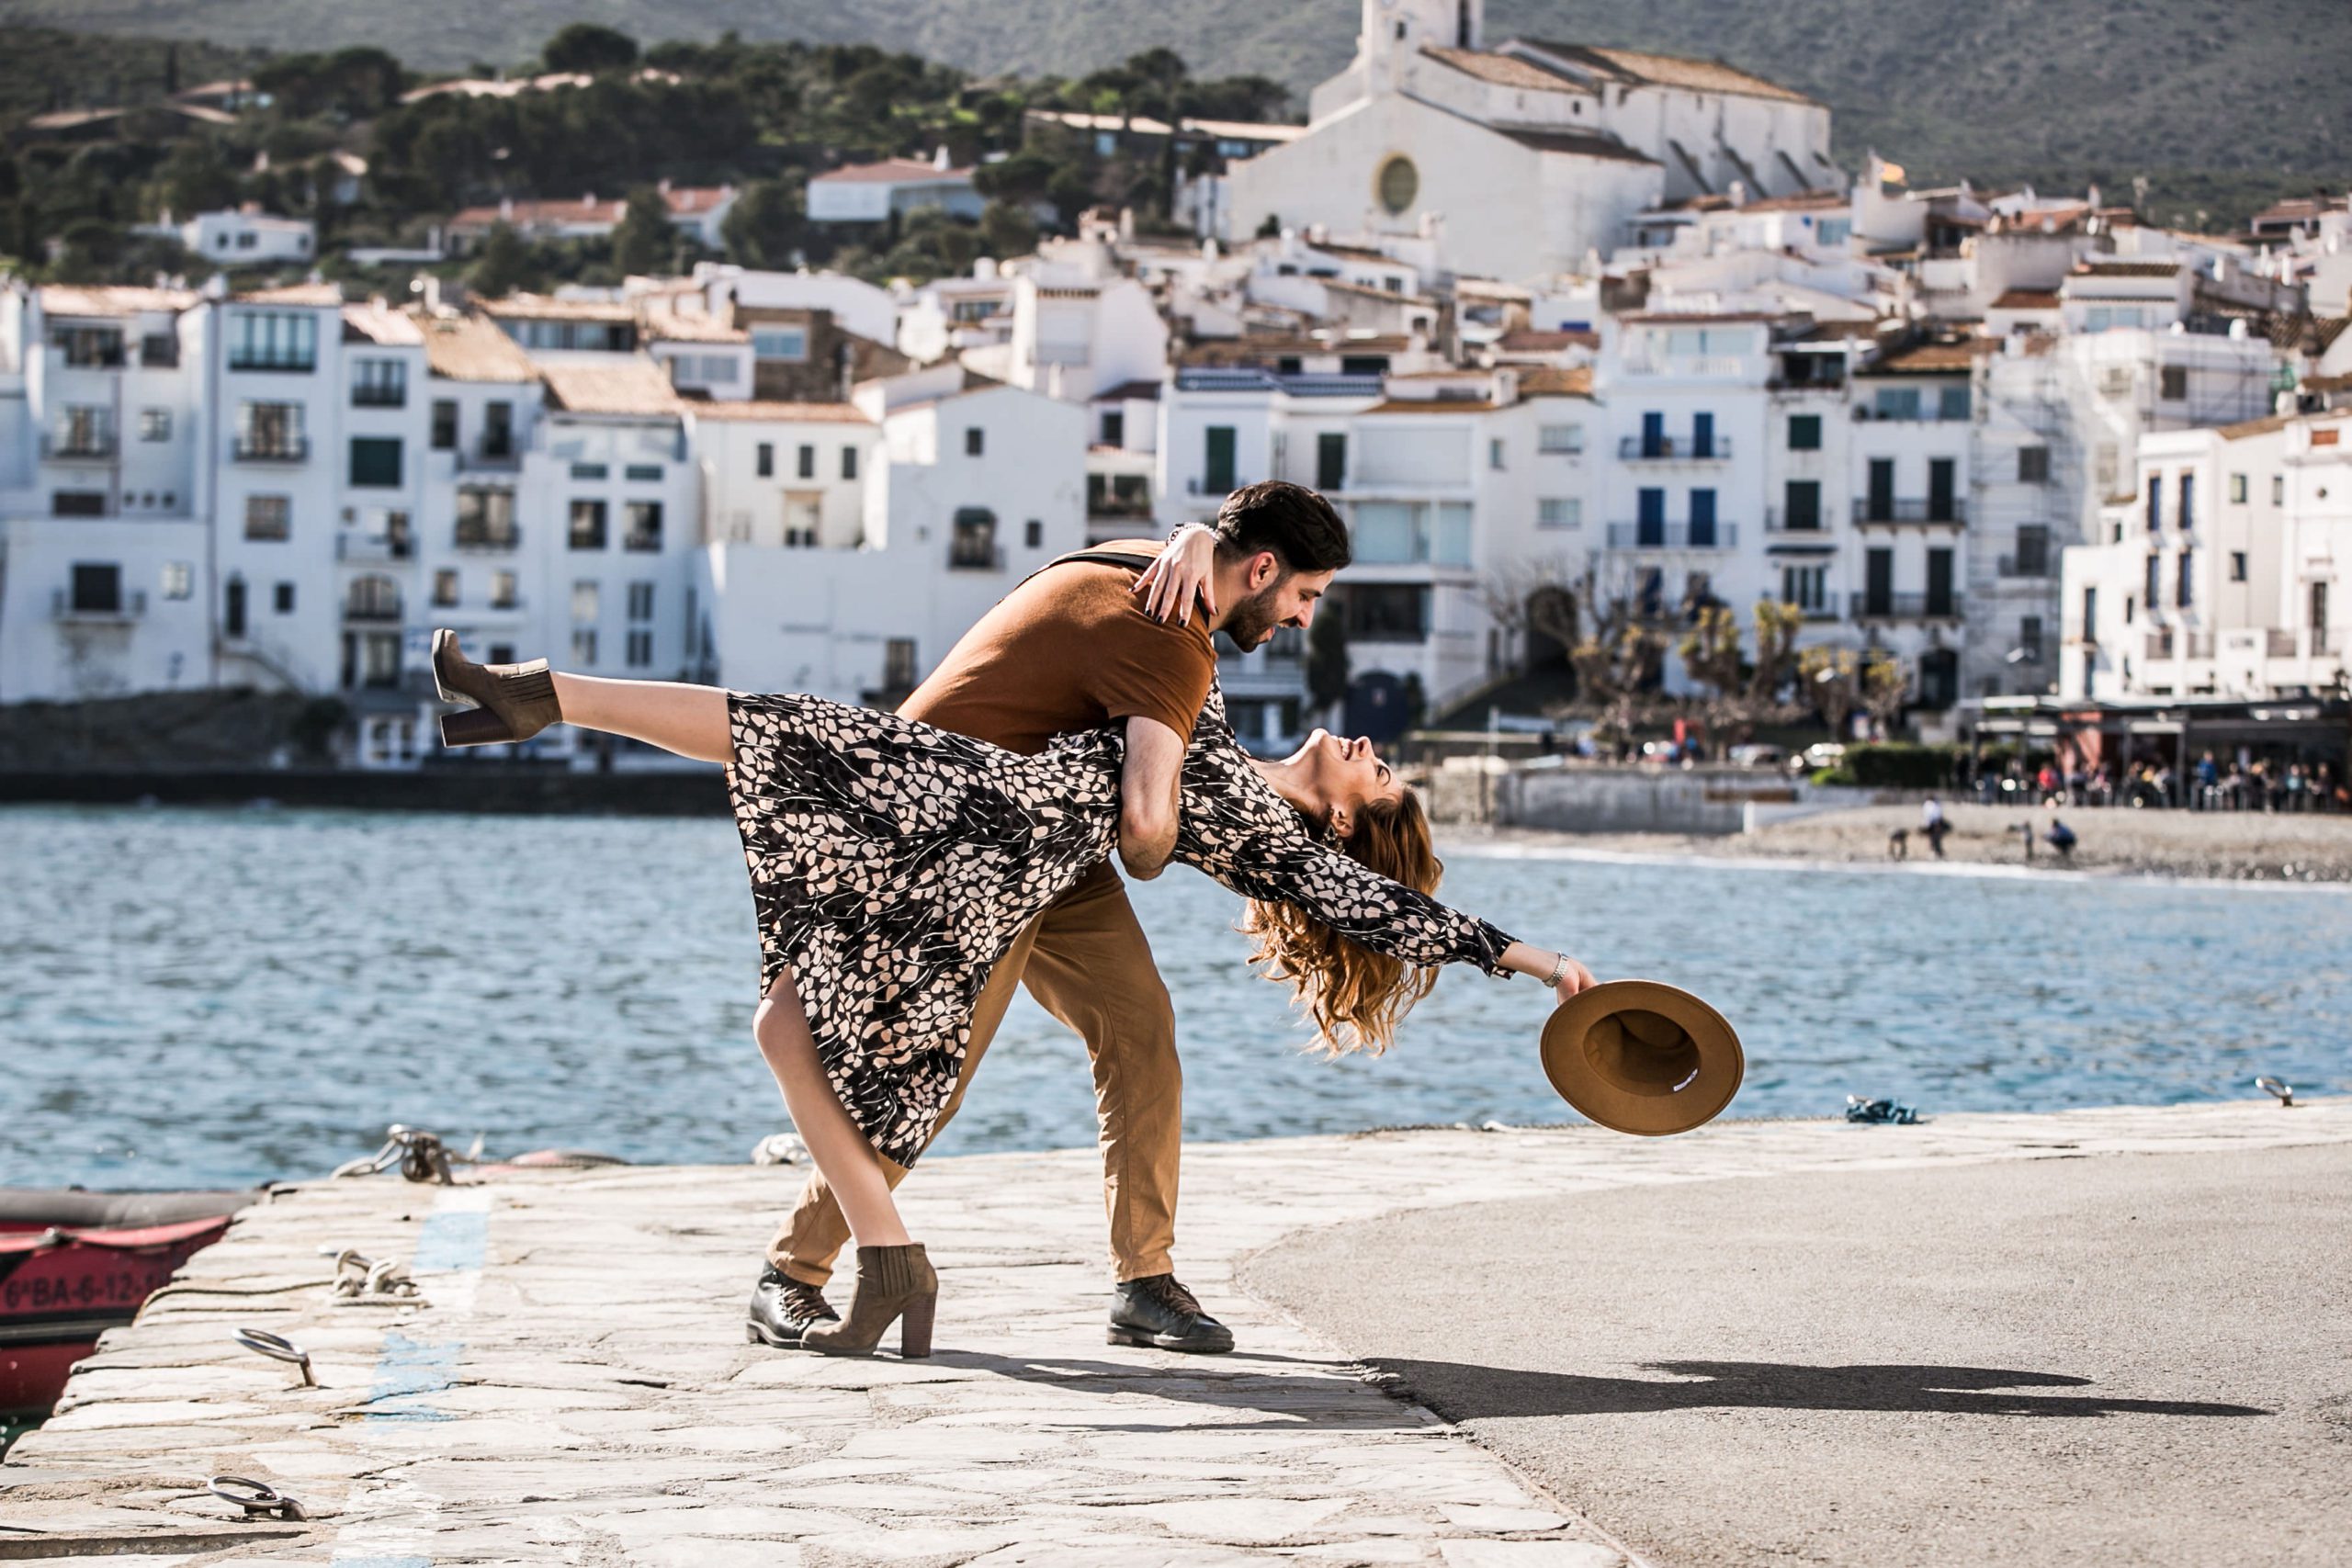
1639,1052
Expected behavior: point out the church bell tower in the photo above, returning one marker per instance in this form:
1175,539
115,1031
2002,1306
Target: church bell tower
1395,31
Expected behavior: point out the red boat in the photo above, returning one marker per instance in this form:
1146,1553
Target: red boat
73,1265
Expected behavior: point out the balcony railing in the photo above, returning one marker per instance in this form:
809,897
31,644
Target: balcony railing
478,538
1870,606
371,610
2025,565
1823,611
1814,525
64,607
378,397
363,549
648,543
80,446
1866,510
489,455
965,558
2279,644
1673,449
1673,537
2170,643
276,449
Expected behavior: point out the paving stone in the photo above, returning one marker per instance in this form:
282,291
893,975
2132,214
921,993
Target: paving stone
1489,1519
1529,1554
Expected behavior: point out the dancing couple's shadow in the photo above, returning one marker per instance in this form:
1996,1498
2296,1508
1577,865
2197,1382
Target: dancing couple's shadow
1468,1392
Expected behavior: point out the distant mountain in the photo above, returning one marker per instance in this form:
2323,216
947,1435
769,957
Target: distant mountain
2001,88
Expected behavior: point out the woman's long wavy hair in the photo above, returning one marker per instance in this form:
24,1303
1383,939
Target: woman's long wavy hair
1354,997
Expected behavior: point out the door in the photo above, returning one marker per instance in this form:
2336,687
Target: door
1703,436
232,610
1217,474
1331,460
1878,582
1882,501
1650,519
1653,436
1939,601
1940,491
1702,518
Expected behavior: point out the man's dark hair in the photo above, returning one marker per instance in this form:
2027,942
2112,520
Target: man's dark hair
1293,521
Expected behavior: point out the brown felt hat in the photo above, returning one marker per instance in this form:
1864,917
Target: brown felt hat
1639,1056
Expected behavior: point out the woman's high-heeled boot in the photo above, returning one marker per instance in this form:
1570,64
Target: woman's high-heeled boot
516,701
893,1283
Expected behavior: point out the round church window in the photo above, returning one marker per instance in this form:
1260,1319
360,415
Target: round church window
1399,183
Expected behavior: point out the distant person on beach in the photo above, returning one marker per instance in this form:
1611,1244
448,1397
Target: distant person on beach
1933,826
909,870
2062,839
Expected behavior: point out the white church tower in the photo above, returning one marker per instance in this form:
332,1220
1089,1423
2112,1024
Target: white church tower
1391,37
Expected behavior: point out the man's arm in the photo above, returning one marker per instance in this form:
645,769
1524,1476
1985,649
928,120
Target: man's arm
1147,801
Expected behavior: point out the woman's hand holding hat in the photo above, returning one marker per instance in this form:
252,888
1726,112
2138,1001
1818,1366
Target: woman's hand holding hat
1557,970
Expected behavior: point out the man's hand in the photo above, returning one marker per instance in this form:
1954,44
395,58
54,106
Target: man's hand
1185,567
1147,797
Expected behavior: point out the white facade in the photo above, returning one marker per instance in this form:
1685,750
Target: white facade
246,236
875,193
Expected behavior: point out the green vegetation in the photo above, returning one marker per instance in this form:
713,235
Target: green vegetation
2219,105
763,116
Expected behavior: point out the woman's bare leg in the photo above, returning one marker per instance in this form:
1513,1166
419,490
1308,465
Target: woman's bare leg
844,1156
688,720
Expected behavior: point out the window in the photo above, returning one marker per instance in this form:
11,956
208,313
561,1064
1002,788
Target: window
975,440
88,348
501,597
898,663
97,587
78,503
1559,438
2317,617
375,462
1952,405
1803,513
586,603
2154,587
849,462
644,526
2033,550
642,473
1331,459
444,424
497,430
444,587
2156,504
807,468
2172,383
2237,489
972,547
283,599
270,432
1115,427
485,518
1559,511
269,516
1385,612
2278,489
2237,566
159,351
587,525
2184,579
2033,465
583,644
1216,469
780,342
2187,502
178,580
1495,452
640,648
154,425
1897,402
763,464
378,384
641,601
273,340
1806,587
1805,435
1398,182
591,471
1033,533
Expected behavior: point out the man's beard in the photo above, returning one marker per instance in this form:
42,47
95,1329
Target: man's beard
1253,619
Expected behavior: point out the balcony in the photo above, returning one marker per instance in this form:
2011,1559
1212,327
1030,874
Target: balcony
1673,537
1778,525
1825,611
492,454
1297,383
96,608
1950,514
2025,565
377,609
272,449
2278,644
2172,644
976,557
1907,607
1674,449
80,446
487,540
372,549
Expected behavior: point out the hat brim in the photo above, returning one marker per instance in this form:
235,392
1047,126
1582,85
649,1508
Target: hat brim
1649,1110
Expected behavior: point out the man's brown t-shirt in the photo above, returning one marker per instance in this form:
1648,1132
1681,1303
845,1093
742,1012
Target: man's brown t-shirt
1070,649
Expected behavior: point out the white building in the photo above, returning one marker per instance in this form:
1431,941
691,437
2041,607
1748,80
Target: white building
245,236
698,212
876,192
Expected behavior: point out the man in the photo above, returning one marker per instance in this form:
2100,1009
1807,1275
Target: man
1070,649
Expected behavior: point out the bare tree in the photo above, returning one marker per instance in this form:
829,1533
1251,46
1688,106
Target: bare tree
1618,668
1745,691
1842,681
1542,596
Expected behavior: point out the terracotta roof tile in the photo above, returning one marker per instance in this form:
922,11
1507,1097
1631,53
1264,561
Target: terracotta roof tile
468,348
890,171
665,325
1552,381
1526,340
74,300
1665,69
631,387
1434,405
2026,299
779,412
1504,70
2127,269
546,308
319,294
372,323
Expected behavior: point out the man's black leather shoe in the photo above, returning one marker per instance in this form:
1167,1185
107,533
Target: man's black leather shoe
782,1307
1157,1311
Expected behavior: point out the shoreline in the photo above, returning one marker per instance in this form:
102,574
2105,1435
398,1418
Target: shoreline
2116,843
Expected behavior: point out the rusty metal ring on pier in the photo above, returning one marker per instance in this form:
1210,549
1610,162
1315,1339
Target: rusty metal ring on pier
256,1497
277,1348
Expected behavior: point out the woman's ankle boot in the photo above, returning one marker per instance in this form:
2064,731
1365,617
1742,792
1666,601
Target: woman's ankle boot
516,701
894,1283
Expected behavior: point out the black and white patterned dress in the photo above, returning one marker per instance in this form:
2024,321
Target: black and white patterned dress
893,864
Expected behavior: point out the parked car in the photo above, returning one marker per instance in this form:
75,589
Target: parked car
1758,754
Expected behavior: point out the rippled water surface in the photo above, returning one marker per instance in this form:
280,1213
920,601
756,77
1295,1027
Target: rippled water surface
190,996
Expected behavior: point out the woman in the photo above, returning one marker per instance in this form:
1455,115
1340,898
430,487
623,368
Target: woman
892,864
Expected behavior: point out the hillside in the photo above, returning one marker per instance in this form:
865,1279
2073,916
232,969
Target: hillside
2177,90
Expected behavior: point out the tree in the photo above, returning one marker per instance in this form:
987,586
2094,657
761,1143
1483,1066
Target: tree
194,179
1619,666
1829,681
767,226
1744,692
1007,230
644,241
585,47
1327,657
503,265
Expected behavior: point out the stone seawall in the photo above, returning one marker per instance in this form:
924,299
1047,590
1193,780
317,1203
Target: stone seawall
486,787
